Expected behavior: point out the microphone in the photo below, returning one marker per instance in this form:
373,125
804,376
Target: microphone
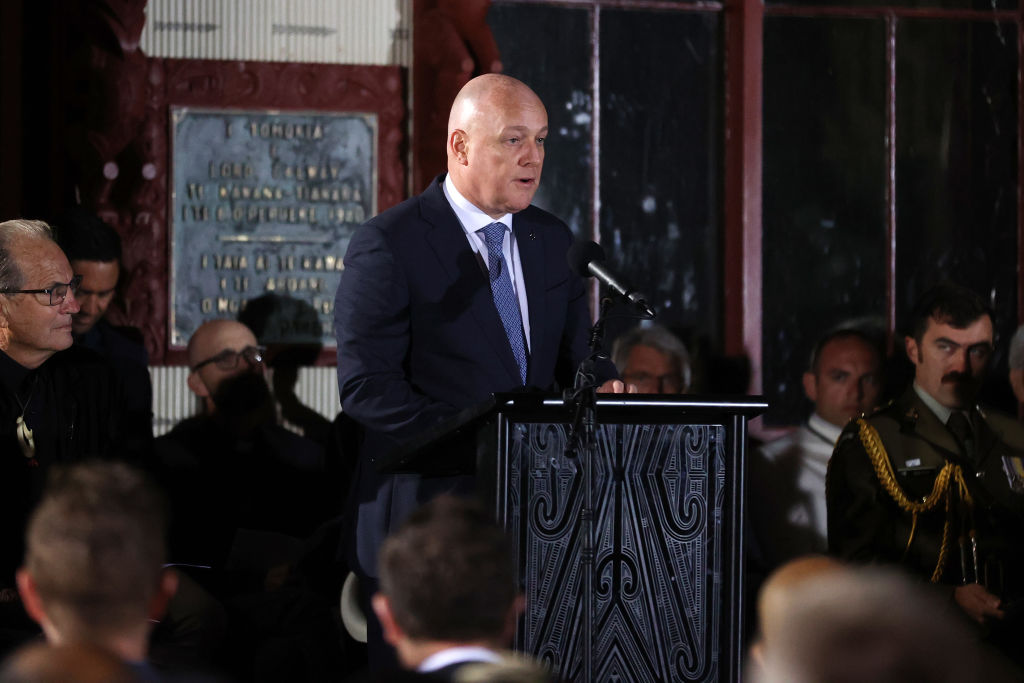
586,259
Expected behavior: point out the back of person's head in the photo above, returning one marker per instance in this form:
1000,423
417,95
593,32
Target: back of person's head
658,338
948,303
78,662
84,236
11,233
96,548
871,625
449,574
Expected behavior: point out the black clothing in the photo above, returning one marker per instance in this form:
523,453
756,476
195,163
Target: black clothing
122,347
74,405
220,482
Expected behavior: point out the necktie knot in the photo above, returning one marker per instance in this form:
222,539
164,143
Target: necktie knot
494,235
960,425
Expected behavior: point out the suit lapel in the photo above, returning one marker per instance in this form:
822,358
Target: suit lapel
462,267
531,258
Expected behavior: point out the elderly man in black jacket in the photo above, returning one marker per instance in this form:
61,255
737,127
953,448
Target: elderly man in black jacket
54,407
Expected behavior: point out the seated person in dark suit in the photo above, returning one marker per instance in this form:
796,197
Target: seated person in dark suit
233,469
245,492
53,407
448,597
94,250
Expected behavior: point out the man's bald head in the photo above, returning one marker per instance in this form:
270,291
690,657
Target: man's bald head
496,133
482,94
210,340
214,336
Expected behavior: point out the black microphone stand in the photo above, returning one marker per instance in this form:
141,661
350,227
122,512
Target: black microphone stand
581,444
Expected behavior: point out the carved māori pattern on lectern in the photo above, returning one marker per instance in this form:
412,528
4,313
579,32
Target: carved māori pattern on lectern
657,496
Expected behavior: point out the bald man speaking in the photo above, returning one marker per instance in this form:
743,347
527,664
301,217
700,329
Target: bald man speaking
455,294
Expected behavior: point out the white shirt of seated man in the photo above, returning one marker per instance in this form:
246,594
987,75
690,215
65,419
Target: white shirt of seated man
788,486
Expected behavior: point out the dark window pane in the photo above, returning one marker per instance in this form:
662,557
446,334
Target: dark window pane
956,167
661,82
823,192
553,58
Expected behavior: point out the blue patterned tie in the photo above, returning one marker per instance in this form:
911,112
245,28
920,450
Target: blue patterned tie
504,296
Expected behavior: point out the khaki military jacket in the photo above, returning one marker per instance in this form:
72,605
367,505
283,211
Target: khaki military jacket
867,523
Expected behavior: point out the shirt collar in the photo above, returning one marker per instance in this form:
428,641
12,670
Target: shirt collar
471,218
823,428
457,655
941,411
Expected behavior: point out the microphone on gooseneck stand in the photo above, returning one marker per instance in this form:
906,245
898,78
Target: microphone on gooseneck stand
586,259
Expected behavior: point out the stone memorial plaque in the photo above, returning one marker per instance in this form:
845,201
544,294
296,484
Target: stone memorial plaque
265,202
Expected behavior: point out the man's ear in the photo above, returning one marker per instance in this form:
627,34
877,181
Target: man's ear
913,352
811,386
393,633
30,596
196,384
165,590
458,146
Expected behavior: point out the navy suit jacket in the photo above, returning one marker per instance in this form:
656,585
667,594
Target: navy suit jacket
419,338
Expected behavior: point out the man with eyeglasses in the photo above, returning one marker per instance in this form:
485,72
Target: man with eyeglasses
652,359
234,467
54,406
934,483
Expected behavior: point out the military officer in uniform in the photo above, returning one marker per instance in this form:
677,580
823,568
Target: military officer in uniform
932,482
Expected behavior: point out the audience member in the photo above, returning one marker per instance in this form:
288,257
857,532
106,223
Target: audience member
94,250
653,359
94,563
1016,363
245,494
53,407
864,624
787,483
233,470
448,593
776,594
934,483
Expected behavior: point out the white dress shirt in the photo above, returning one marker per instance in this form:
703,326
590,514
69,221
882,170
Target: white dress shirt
787,488
472,219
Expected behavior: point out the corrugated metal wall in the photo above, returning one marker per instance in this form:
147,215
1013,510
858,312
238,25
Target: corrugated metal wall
329,31
317,388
